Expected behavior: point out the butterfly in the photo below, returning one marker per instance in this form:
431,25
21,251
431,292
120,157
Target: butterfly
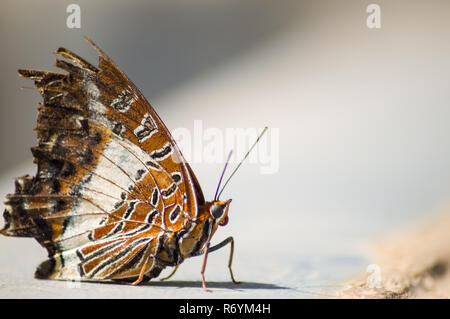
113,197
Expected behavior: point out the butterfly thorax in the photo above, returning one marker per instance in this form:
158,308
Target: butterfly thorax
190,240
193,238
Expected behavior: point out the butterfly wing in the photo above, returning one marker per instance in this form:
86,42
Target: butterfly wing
111,184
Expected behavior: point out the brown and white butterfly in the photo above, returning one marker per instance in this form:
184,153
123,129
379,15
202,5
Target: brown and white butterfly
113,197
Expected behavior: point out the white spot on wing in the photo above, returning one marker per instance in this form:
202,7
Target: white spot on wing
124,101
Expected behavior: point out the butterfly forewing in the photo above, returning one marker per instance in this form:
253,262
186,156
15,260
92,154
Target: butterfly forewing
111,182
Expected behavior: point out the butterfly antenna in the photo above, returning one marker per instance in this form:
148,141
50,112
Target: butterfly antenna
246,155
223,173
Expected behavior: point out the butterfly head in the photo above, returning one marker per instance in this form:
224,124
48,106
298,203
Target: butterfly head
218,211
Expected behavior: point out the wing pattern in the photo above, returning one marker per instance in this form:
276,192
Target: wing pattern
112,187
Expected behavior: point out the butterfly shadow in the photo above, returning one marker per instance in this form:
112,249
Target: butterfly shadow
213,284
198,284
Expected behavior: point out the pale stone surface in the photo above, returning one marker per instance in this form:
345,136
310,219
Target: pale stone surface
413,263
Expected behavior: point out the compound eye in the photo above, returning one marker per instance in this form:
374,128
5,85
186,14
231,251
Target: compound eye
224,222
217,211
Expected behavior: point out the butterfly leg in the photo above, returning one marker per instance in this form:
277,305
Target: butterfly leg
202,272
171,274
230,260
229,240
143,270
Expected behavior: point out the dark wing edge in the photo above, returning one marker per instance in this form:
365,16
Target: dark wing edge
62,122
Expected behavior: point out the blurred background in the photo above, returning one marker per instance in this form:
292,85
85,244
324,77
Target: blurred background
362,114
